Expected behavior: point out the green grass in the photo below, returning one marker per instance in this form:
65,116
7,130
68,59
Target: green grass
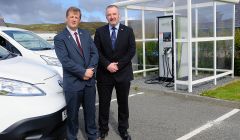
230,92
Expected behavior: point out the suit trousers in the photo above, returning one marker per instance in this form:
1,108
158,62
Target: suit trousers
105,94
86,98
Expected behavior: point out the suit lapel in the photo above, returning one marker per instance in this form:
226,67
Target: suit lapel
119,36
83,43
107,37
72,41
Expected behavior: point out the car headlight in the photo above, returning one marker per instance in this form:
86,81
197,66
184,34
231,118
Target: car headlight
51,60
9,87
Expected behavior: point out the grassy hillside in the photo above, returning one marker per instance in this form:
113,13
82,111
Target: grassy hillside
90,26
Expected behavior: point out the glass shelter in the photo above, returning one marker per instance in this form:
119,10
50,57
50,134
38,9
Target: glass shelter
202,37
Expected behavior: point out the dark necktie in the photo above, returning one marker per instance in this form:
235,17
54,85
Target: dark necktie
113,37
78,43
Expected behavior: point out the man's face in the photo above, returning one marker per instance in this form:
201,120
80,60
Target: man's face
112,16
73,20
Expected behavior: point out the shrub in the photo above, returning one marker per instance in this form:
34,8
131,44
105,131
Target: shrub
237,52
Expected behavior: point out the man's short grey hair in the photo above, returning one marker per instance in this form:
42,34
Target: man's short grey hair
111,6
73,9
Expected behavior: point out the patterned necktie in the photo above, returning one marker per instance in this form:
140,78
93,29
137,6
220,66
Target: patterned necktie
78,43
113,37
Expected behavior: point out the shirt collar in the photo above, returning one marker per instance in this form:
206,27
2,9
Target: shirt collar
71,31
117,26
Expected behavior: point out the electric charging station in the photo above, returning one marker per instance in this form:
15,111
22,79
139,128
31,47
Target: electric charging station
192,27
165,47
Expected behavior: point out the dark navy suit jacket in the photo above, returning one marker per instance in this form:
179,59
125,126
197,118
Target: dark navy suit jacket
73,63
123,53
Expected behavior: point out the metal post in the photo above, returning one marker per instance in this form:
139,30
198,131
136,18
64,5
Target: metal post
189,15
174,47
126,16
143,43
233,44
196,43
215,41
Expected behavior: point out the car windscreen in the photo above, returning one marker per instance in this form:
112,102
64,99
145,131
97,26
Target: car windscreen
29,40
4,54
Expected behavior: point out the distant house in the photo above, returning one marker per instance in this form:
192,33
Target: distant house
237,15
2,23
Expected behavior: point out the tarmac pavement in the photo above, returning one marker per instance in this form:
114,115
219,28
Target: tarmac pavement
161,115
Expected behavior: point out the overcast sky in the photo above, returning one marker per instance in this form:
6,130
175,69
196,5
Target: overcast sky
50,11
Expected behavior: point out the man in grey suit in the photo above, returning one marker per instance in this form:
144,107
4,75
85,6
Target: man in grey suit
79,57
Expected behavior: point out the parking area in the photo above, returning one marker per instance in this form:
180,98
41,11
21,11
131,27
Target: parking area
156,116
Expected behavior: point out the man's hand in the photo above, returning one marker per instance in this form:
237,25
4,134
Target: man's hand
88,74
112,67
85,78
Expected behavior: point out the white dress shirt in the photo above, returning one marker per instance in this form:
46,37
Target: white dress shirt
73,35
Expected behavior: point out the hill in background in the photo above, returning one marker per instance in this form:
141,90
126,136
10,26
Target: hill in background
90,26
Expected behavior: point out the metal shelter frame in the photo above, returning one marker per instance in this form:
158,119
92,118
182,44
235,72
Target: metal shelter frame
191,8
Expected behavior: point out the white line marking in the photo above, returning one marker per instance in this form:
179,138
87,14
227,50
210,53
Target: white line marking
113,100
140,93
208,125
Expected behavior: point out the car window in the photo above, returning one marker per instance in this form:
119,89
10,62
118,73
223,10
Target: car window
29,40
4,54
7,45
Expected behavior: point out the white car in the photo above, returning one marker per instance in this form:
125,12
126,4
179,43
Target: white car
29,45
32,103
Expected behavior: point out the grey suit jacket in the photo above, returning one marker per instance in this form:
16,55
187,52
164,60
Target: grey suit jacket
73,63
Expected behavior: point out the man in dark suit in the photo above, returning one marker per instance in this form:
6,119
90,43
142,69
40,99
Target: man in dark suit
116,47
79,57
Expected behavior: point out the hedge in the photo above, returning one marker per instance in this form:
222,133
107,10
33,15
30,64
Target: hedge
237,52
